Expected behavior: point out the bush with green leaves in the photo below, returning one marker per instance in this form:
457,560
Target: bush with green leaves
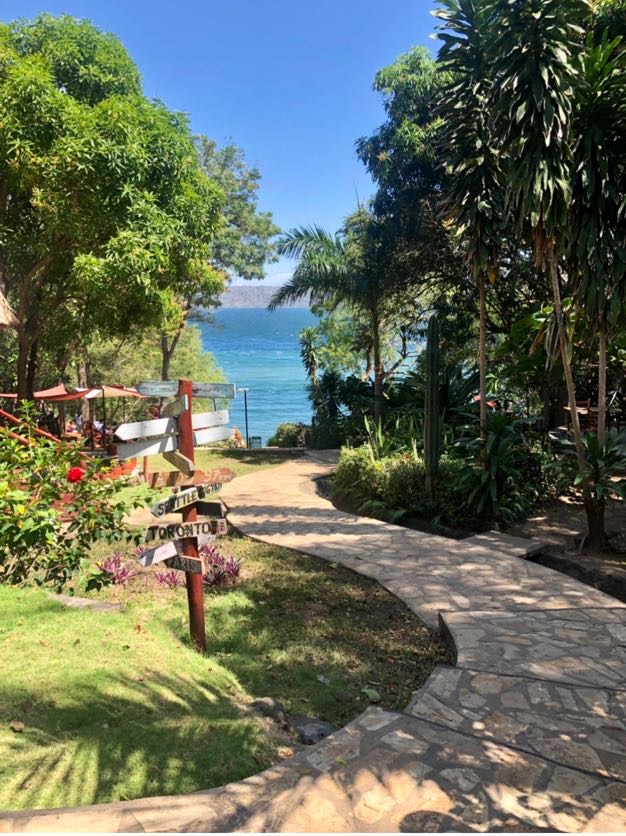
291,435
387,488
519,474
53,506
514,474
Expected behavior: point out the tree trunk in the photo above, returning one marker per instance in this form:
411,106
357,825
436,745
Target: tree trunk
593,508
567,366
167,351
603,339
83,383
22,367
596,541
379,374
482,358
31,372
166,358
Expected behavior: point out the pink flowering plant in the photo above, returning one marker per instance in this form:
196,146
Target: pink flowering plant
220,570
53,506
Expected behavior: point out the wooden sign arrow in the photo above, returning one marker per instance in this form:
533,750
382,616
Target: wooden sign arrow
178,530
169,443
174,408
145,429
172,478
169,389
178,500
201,420
150,557
180,462
210,509
147,447
210,435
195,565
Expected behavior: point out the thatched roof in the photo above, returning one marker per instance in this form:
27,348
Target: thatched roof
7,317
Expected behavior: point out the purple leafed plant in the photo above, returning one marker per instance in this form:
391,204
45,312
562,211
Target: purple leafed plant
171,579
114,566
221,571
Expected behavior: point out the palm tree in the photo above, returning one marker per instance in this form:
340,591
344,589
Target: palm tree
474,192
538,56
345,268
595,254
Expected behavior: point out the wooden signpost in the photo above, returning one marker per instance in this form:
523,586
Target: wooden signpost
158,554
172,479
176,530
169,389
175,435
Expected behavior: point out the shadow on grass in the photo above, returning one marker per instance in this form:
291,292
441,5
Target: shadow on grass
301,631
161,735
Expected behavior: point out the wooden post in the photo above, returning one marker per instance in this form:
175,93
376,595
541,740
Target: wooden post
146,470
195,591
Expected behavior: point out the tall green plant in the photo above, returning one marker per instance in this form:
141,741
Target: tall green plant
537,48
595,235
351,268
474,191
432,413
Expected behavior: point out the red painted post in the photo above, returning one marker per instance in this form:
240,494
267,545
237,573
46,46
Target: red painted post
195,593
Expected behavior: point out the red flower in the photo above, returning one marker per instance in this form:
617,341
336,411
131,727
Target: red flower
75,474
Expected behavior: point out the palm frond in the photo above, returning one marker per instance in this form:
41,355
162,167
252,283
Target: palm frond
306,241
324,272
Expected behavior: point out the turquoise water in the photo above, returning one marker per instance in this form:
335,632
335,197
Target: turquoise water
260,350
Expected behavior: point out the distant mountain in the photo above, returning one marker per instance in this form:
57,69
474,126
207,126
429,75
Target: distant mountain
253,296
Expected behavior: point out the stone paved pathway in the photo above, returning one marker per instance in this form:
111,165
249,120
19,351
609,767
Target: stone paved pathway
526,733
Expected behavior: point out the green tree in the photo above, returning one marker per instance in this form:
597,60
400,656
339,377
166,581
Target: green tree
101,196
403,157
595,233
241,245
349,268
544,70
137,357
474,190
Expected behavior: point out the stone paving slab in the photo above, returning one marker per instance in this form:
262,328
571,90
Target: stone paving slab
384,772
579,727
582,646
518,546
526,734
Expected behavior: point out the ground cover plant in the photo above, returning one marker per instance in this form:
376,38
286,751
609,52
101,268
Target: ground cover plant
117,705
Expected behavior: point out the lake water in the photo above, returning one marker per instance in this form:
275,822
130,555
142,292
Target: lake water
260,350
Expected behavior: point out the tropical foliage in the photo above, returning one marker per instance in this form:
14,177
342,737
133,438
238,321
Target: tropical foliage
499,206
54,505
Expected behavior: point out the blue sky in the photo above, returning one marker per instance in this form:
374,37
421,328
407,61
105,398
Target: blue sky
290,82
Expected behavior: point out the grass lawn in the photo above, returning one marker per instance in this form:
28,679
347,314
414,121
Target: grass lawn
116,705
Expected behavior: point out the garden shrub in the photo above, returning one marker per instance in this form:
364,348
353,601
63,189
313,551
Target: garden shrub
291,435
522,475
53,507
385,488
518,472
